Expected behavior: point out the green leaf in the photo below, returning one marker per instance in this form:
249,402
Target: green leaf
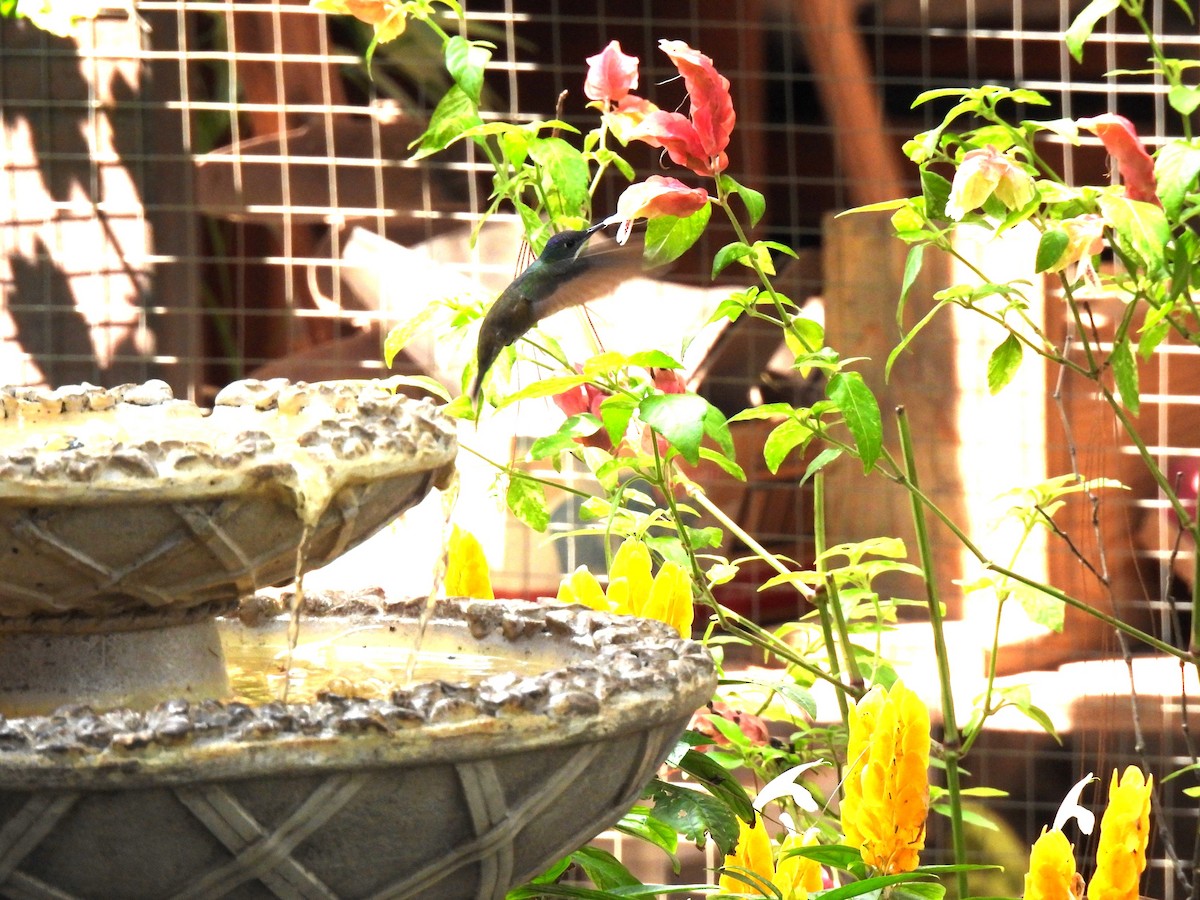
820,461
680,418
573,427
755,203
455,113
564,177
783,439
669,237
1039,607
1003,363
695,815
912,268
547,387
397,339
603,869
1176,167
935,189
1051,246
872,885
1081,28
728,465
466,61
641,824
1125,374
526,498
1184,98
716,426
615,413
1141,227
860,409
653,359
728,254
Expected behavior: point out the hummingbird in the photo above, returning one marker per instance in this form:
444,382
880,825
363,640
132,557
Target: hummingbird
552,282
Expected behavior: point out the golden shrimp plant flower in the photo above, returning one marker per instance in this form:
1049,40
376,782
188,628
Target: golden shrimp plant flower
1124,834
751,867
633,590
1052,874
886,791
466,567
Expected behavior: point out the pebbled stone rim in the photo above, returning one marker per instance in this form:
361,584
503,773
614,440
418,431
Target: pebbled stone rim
615,670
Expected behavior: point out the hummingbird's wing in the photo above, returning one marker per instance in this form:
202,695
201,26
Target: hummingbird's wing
605,265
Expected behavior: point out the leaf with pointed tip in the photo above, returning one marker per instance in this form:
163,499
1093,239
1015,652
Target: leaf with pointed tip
1125,374
669,237
860,410
466,61
1003,363
526,499
454,114
680,418
1081,28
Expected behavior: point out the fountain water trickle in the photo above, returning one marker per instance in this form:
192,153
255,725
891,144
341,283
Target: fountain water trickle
132,524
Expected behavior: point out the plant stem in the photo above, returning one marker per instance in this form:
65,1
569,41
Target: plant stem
951,740
757,635
831,600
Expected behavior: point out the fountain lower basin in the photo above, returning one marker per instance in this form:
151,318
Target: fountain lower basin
438,790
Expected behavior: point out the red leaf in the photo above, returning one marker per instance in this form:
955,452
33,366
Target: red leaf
712,106
654,197
611,74
697,142
1134,164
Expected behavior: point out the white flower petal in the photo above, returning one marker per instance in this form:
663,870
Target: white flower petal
785,786
1071,808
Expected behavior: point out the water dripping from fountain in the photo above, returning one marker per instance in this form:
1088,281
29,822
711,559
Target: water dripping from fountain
293,632
449,501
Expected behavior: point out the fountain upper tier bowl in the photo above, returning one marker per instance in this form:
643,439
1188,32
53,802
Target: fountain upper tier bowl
119,502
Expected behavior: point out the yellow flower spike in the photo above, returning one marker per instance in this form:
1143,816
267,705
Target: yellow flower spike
1124,834
670,598
1052,874
797,876
886,790
466,567
582,587
753,852
632,562
618,595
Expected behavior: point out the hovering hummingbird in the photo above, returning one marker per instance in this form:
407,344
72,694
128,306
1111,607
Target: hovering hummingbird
552,282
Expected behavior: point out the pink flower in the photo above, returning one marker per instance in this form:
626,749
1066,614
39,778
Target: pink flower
654,197
697,141
611,74
752,726
584,398
1134,164
669,381
983,173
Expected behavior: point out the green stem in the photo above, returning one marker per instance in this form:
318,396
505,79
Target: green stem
951,740
764,280
831,601
971,547
757,635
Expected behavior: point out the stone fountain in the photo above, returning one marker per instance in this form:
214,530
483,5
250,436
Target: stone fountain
137,532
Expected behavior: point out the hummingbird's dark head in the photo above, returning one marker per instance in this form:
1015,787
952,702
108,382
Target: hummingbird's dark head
567,245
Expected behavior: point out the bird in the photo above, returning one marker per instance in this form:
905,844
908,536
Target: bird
561,277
